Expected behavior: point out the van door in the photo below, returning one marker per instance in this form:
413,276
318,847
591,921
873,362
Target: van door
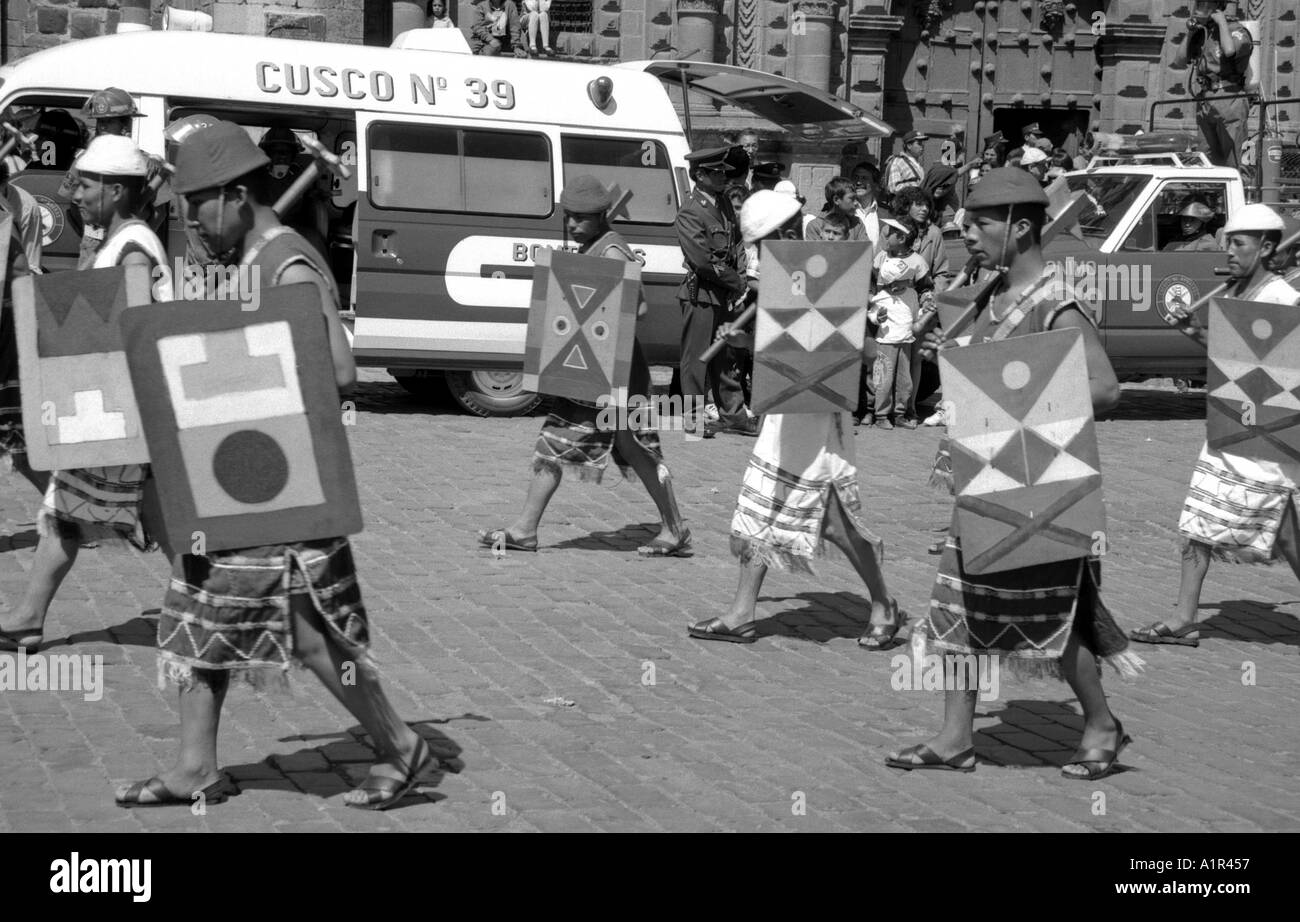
1157,267
448,219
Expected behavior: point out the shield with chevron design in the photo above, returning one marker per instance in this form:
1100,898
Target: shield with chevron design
79,408
812,318
1024,451
581,325
1253,382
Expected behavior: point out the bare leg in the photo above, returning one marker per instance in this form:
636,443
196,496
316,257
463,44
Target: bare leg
200,707
545,482
745,601
1196,563
533,22
658,483
54,558
362,694
544,18
1099,728
957,733
840,531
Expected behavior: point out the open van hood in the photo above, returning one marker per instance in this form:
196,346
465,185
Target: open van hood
810,113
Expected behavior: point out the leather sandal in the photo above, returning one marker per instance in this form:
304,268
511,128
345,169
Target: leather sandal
26,641
382,793
1164,634
153,793
716,629
882,636
658,548
927,758
1105,760
501,538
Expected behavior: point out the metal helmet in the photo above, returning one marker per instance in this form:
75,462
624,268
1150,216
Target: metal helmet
111,102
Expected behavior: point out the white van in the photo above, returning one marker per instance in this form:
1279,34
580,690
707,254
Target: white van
457,163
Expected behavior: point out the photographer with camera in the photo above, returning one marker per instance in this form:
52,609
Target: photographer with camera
1218,50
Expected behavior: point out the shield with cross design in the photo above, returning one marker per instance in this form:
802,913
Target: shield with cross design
1024,451
79,406
241,413
581,326
1252,387
811,322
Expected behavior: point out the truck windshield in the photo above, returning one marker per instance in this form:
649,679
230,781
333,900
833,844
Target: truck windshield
1109,196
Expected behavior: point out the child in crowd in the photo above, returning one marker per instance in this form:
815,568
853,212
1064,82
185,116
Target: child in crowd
437,15
893,308
841,208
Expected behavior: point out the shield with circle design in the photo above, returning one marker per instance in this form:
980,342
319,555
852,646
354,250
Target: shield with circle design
1024,451
1252,388
581,326
241,413
811,322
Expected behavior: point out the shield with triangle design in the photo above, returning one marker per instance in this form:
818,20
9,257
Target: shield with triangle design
581,326
1253,382
1024,451
812,318
79,407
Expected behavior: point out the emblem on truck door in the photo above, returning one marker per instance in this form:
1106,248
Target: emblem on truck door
1175,292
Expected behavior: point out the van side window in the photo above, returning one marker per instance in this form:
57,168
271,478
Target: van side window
467,170
1178,197
639,166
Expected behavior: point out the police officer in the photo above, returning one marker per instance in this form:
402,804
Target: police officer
1194,237
1218,49
712,251
310,215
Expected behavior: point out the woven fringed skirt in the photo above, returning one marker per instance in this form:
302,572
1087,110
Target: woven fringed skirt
579,437
230,611
101,503
1236,506
1023,616
798,460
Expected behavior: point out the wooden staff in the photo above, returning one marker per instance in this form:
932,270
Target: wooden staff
1187,312
719,344
15,138
322,159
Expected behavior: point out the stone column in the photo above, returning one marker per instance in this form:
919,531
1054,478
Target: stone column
810,39
697,28
406,15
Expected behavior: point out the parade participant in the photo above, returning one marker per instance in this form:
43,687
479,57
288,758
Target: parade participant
573,436
1217,48
1193,237
13,445
93,503
905,168
712,253
990,614
28,226
1239,508
113,112
800,488
496,29
842,208
245,612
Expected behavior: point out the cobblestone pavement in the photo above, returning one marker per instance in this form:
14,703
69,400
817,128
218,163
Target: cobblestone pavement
564,687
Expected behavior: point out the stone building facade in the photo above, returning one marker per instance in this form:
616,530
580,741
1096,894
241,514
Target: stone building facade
958,69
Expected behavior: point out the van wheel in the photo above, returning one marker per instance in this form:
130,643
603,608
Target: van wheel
492,392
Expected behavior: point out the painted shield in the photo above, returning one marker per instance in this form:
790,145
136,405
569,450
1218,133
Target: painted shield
1253,381
1024,451
79,407
812,319
581,325
241,413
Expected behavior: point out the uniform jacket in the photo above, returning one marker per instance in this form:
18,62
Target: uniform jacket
712,251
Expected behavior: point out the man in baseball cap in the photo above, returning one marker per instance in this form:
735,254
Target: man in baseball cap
1193,237
907,167
1240,506
581,437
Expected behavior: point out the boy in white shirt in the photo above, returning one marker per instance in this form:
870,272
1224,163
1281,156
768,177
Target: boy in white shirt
893,308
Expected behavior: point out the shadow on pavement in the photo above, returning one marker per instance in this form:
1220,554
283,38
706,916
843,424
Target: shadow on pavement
347,758
825,616
1150,405
1252,621
1034,733
137,632
626,539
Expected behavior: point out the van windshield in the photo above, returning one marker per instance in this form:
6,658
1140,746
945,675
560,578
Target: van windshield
1108,198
